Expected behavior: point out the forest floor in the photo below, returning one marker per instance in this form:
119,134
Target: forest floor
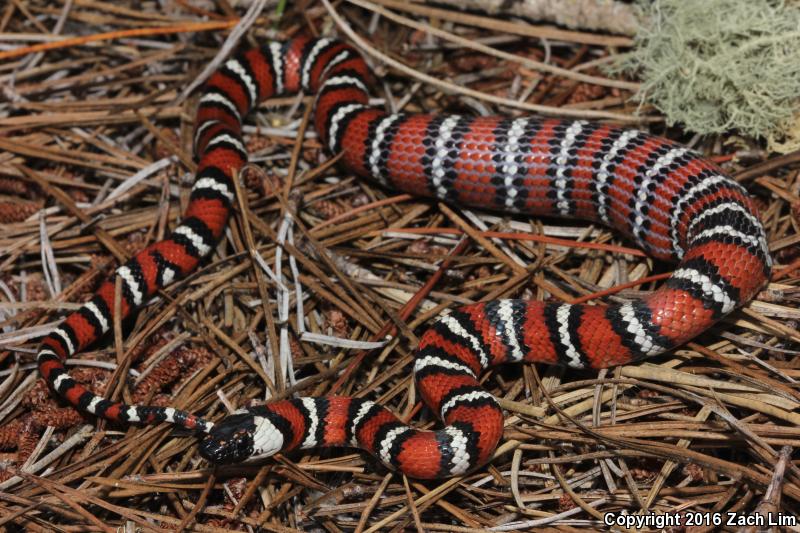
318,266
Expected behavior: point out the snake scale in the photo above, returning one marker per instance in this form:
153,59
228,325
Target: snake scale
675,205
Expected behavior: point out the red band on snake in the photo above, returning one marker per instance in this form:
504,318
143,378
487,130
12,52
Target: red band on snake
676,205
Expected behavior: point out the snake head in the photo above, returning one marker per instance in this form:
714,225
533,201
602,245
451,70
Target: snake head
230,440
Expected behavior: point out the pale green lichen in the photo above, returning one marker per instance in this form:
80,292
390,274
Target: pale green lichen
719,65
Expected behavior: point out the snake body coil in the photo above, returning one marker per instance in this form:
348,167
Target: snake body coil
674,204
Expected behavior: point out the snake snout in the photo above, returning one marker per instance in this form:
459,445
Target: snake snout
229,441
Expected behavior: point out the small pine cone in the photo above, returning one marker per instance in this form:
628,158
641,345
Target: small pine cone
181,363
165,372
565,503
252,179
328,209
586,92
95,378
78,195
473,63
295,349
259,181
256,143
6,472
35,288
37,396
14,186
161,400
59,417
9,435
17,210
195,356
154,343
192,360
167,526
28,439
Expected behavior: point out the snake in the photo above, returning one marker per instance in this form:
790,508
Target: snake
675,205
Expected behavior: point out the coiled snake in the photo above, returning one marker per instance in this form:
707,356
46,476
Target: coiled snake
674,204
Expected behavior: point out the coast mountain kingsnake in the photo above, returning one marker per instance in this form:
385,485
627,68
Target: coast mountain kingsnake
677,206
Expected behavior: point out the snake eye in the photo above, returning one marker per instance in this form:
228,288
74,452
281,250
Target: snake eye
229,441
